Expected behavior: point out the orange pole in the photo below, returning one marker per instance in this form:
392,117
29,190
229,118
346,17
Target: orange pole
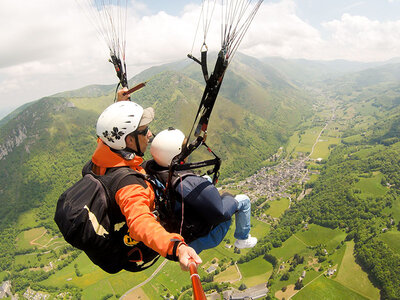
198,292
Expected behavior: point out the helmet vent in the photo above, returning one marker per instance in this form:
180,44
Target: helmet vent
128,122
132,116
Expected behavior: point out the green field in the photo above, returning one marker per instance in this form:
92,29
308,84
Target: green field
392,239
255,267
327,289
368,151
28,220
289,248
371,186
396,210
34,259
313,178
29,238
301,241
230,274
95,282
337,258
353,139
353,277
171,276
321,149
277,207
3,275
316,235
256,271
310,276
293,142
307,140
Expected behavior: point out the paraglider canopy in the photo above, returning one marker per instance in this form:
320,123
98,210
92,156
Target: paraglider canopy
109,18
236,17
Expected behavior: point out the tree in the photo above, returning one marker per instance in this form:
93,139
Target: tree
242,287
285,276
298,285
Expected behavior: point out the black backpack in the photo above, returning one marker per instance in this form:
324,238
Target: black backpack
90,219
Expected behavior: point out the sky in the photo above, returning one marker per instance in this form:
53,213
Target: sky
51,46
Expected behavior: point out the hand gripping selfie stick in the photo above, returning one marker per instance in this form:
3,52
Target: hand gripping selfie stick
198,292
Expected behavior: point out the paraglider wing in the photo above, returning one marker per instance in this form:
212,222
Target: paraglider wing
236,17
109,18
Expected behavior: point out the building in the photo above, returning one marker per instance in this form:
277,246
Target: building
255,292
5,289
211,269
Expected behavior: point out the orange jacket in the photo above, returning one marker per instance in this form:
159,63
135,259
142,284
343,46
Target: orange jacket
136,203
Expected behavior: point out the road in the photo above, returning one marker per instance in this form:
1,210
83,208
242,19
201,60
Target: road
147,280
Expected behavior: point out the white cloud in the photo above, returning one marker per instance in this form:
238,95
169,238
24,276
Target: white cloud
49,46
278,31
359,38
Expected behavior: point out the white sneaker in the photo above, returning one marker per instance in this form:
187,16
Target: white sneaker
250,242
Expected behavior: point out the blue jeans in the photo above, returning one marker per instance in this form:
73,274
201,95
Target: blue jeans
217,234
212,239
242,214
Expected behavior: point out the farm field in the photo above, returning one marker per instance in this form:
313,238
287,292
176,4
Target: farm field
28,219
371,186
289,248
172,277
95,282
321,149
392,239
30,238
293,142
353,277
364,153
316,235
256,271
307,140
327,289
229,275
277,207
396,210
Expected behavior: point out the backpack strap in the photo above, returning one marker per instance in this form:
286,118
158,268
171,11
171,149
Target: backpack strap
111,182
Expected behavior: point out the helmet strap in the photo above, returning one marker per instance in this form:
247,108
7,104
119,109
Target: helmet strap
138,152
127,154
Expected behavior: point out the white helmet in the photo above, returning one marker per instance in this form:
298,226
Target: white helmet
166,145
120,119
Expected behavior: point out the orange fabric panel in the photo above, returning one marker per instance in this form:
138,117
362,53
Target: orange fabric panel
105,158
137,204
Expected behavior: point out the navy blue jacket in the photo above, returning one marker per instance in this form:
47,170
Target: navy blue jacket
202,200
